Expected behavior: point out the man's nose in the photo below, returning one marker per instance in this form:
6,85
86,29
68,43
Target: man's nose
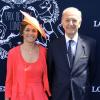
71,22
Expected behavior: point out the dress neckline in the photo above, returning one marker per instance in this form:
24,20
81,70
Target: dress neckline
33,62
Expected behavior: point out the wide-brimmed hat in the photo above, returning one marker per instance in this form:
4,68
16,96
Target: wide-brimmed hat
34,22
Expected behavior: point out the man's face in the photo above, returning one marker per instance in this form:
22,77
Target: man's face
71,22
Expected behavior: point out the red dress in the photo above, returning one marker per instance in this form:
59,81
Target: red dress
26,81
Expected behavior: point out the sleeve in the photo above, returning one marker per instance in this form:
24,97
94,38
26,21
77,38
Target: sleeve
45,76
50,65
92,62
9,76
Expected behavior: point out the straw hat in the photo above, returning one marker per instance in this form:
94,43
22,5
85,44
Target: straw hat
34,22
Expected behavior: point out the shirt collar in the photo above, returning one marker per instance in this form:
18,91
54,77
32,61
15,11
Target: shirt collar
75,38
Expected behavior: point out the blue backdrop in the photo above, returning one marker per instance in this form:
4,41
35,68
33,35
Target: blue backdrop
48,12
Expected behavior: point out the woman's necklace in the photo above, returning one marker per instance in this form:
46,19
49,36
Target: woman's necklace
29,55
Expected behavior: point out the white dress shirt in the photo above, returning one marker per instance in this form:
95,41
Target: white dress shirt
73,44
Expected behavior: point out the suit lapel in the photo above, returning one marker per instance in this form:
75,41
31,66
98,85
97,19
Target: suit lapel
63,48
79,52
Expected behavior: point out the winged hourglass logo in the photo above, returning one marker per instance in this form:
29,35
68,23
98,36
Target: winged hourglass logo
47,12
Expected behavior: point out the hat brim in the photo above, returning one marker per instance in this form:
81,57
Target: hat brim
34,22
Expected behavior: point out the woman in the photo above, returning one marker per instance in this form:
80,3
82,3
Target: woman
26,65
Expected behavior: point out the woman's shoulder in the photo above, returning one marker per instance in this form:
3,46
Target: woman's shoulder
13,50
42,48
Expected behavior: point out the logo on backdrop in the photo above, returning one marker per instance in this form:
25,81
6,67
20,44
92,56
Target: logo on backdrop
95,89
2,88
46,11
96,23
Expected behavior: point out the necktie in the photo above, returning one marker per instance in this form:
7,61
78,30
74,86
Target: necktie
70,54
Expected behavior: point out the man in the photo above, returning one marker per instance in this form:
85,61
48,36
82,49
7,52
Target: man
71,60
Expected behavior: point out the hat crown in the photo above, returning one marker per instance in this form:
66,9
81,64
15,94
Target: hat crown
28,17
33,21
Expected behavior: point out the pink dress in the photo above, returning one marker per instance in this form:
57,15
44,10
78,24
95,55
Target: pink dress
26,81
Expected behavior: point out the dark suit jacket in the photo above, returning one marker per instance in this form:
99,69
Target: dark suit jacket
70,83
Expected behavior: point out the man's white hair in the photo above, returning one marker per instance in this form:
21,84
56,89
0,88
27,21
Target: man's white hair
74,10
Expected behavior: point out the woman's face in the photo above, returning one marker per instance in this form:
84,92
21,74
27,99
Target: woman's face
30,33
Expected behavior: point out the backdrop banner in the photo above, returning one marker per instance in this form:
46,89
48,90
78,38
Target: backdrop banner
48,12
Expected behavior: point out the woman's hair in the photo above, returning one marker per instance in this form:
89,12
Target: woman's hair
22,26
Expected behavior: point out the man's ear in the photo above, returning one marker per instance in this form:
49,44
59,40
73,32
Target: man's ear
79,24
